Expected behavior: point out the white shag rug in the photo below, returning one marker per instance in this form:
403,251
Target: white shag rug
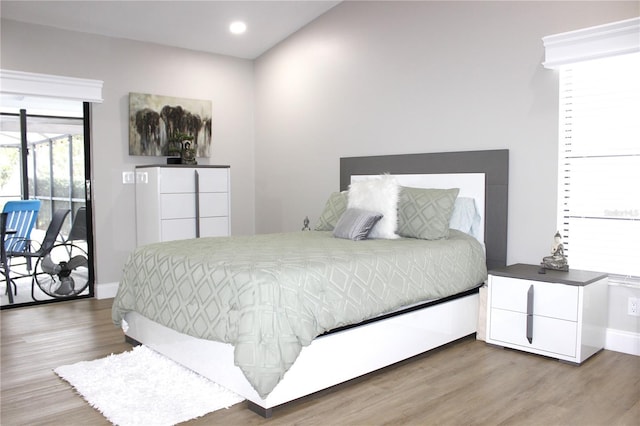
142,387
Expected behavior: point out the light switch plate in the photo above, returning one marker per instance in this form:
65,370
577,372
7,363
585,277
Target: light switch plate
128,178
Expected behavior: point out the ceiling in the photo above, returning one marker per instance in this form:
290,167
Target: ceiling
197,25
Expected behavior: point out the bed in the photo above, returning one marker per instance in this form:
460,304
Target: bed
319,348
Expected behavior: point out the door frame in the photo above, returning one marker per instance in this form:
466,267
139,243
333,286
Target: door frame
23,116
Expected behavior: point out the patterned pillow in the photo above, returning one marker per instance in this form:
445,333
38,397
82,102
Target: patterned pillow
425,212
333,209
355,224
379,194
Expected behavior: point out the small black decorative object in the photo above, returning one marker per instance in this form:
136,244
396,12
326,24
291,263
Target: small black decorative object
557,261
305,224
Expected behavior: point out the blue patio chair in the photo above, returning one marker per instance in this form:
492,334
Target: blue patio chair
21,217
4,264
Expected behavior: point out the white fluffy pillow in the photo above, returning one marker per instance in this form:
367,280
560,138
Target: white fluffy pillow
379,195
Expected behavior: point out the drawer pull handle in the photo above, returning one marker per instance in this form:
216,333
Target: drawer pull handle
530,314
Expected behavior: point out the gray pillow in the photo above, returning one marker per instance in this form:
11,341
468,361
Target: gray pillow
355,224
333,209
425,212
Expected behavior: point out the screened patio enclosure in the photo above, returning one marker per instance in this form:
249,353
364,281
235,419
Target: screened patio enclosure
54,164
43,155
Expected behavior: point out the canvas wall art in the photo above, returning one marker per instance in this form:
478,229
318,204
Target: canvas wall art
157,122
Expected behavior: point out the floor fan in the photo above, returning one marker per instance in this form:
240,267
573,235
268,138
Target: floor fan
63,271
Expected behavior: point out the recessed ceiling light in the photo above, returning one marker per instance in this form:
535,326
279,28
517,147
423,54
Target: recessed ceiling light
238,27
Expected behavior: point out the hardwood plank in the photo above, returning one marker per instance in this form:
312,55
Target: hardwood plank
467,382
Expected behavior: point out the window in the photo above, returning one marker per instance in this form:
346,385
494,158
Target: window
599,164
48,165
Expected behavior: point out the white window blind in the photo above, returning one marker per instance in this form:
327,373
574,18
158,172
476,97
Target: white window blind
599,170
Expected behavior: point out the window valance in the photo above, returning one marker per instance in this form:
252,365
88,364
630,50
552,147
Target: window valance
616,38
51,86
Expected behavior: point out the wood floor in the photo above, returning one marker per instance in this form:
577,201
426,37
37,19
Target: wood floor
466,383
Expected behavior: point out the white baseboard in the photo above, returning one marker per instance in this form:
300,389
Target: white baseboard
106,290
623,341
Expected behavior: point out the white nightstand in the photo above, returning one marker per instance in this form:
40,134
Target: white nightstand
558,314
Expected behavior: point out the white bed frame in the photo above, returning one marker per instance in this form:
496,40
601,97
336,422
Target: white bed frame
336,357
329,360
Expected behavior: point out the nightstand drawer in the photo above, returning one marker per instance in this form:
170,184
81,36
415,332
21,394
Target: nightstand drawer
549,335
554,301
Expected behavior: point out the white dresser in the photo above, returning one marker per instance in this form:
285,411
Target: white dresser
175,202
557,314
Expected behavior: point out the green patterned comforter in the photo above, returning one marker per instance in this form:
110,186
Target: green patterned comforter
270,295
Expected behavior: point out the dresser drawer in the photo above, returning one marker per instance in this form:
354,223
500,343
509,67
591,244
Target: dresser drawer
554,301
175,180
214,226
214,204
214,180
182,229
550,335
178,229
178,206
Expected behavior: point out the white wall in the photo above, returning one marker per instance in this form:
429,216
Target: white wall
373,78
127,66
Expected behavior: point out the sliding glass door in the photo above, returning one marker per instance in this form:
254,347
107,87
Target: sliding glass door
44,155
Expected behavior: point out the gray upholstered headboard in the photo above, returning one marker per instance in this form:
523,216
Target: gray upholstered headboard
494,164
